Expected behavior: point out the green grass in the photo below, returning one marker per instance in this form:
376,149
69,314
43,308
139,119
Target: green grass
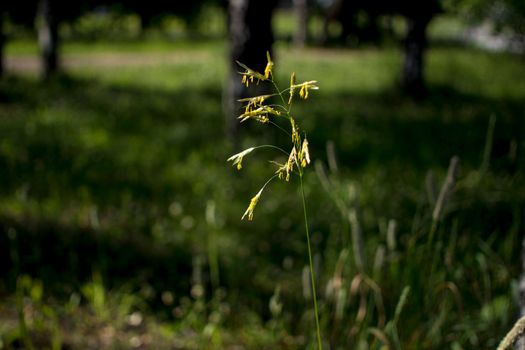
30,47
109,172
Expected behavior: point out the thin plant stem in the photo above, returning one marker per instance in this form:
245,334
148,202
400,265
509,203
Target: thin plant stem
286,132
282,98
213,255
271,146
312,277
267,182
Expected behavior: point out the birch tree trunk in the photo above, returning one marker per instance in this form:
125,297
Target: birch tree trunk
301,14
48,37
250,36
2,44
415,45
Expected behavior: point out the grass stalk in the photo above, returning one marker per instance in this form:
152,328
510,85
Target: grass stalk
437,215
488,145
513,335
213,254
310,260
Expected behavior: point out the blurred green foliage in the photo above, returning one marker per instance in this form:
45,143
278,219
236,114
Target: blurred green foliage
115,199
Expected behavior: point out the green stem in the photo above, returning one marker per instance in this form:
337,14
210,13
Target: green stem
282,98
213,256
430,251
270,146
316,312
269,180
283,130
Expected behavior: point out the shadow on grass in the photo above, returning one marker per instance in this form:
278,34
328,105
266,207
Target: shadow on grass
65,258
129,151
76,144
76,134
389,128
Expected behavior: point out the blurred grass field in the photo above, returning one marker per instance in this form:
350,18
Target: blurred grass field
120,218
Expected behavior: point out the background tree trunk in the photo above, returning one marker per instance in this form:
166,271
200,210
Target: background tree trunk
48,37
2,44
301,31
413,80
250,34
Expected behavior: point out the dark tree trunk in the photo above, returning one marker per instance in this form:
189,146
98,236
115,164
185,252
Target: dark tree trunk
251,36
2,44
371,32
48,37
331,14
413,79
347,18
301,13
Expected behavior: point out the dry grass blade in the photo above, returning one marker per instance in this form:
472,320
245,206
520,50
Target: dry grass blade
454,290
357,239
380,306
381,336
332,158
512,336
446,189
